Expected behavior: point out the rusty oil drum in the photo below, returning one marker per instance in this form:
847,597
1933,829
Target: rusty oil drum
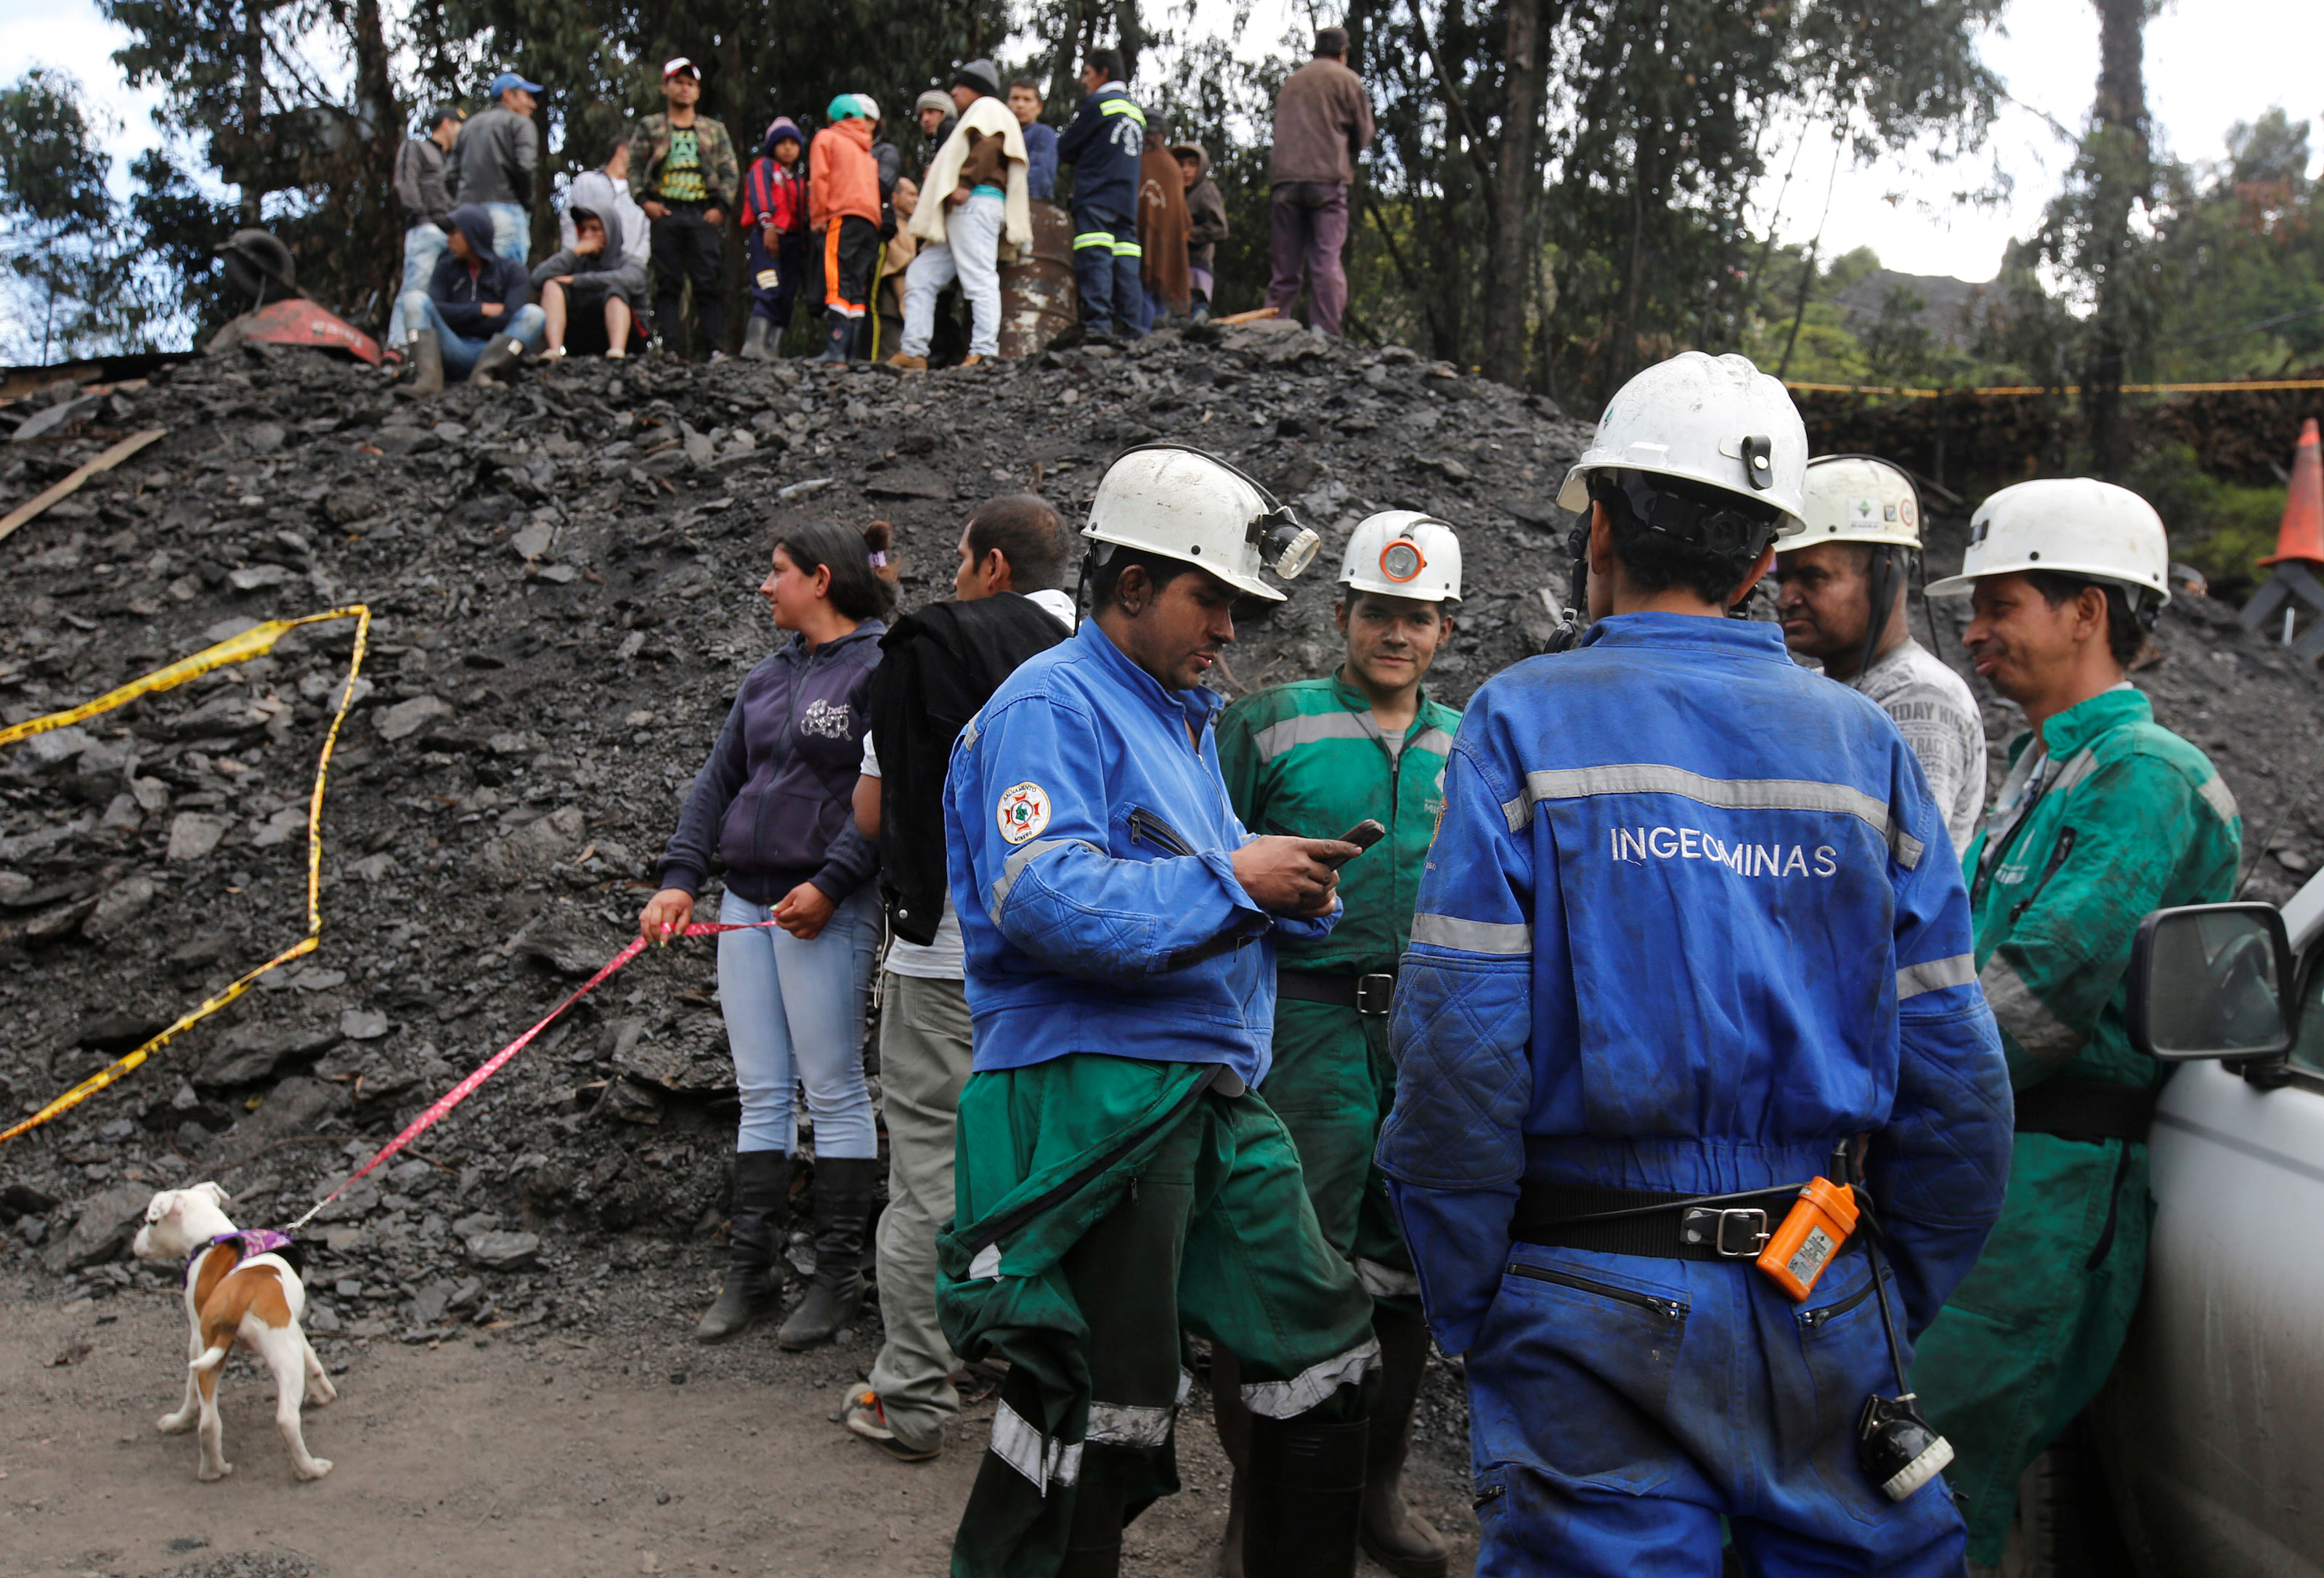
1038,300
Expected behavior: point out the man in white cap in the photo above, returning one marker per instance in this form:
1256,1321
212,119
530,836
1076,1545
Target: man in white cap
684,174
2105,816
1844,581
1690,928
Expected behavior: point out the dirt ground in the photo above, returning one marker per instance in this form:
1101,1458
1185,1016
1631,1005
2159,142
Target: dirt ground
623,1450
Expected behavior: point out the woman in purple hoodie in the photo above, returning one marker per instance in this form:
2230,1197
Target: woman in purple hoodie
772,803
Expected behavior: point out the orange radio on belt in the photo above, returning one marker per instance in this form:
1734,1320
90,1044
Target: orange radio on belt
1811,1233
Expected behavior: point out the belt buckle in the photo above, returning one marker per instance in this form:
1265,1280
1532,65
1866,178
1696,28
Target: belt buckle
1375,993
1704,1224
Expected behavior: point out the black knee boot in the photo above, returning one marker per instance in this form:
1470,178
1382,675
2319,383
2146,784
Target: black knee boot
761,1220
1093,1541
1306,1497
1234,1421
1396,1536
843,1212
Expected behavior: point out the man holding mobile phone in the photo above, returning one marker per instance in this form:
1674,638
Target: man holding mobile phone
1314,758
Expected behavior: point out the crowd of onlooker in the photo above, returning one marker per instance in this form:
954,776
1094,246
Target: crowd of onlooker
873,229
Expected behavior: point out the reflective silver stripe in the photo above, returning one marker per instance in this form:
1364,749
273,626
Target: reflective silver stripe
1436,740
1129,1425
969,730
1015,865
1729,794
1386,1281
1470,937
2083,764
986,1266
2025,1016
2216,795
1306,729
1285,1399
1015,1442
1935,975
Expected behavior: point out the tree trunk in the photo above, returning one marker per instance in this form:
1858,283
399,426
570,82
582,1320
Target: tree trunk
2120,157
254,82
379,122
1508,250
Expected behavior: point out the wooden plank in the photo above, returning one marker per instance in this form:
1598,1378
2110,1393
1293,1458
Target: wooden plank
72,485
1253,316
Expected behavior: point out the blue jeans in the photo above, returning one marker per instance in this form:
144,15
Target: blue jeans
795,1016
423,244
512,229
460,352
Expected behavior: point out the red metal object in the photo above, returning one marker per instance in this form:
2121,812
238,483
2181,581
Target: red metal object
298,322
2300,537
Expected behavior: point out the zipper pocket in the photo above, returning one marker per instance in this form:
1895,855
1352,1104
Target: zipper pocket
1147,827
2058,853
1810,1319
1668,1308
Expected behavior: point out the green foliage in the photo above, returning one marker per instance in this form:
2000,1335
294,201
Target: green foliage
58,243
2222,528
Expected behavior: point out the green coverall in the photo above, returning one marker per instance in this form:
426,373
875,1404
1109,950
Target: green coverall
2118,817
1307,759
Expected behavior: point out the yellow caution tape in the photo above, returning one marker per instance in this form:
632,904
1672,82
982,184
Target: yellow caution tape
253,642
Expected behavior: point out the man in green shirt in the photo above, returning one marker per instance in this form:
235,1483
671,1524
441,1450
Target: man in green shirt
2104,816
684,174
1314,758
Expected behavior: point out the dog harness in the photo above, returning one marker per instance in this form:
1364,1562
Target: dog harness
250,1243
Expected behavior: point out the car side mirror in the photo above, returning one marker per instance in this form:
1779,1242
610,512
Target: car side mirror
2212,981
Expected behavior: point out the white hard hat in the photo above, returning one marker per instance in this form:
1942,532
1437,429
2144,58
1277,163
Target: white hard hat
1855,498
1185,504
2072,526
1403,553
1717,420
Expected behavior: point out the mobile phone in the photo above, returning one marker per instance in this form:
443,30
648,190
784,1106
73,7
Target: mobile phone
1363,835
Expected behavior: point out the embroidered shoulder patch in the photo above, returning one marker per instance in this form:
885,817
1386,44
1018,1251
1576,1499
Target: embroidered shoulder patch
1024,811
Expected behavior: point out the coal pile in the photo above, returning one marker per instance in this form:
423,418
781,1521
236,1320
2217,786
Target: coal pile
562,576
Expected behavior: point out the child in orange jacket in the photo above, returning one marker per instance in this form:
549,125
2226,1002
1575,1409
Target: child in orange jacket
844,205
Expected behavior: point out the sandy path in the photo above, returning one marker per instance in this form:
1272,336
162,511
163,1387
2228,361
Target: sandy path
574,1455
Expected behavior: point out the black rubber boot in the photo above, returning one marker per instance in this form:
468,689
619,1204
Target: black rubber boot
1234,1421
1398,1538
1306,1497
498,357
425,351
838,336
757,1228
843,1212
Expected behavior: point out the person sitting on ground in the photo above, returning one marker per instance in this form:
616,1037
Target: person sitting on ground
1207,216
499,158
937,667
1040,140
606,191
1163,227
774,232
980,171
475,319
596,281
773,803
422,186
935,113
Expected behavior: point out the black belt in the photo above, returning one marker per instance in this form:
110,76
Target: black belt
1665,1226
1367,994
2090,1109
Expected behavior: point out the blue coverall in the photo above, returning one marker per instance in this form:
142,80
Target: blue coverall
1691,917
1105,144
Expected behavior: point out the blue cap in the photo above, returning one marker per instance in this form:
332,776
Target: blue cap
508,80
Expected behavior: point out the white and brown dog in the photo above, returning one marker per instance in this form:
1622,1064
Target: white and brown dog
240,1287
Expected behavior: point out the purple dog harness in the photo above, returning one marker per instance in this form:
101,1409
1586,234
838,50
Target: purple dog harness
251,1241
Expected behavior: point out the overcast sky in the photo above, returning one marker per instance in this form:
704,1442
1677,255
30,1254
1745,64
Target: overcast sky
2209,63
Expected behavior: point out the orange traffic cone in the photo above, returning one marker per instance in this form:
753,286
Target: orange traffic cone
2301,535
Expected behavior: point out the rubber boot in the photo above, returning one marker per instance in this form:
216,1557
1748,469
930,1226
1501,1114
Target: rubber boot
1306,1497
425,354
1093,1539
1234,1421
757,347
756,1231
1396,1536
839,336
843,1210
498,357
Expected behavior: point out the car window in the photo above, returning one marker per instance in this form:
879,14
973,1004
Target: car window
2308,1052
